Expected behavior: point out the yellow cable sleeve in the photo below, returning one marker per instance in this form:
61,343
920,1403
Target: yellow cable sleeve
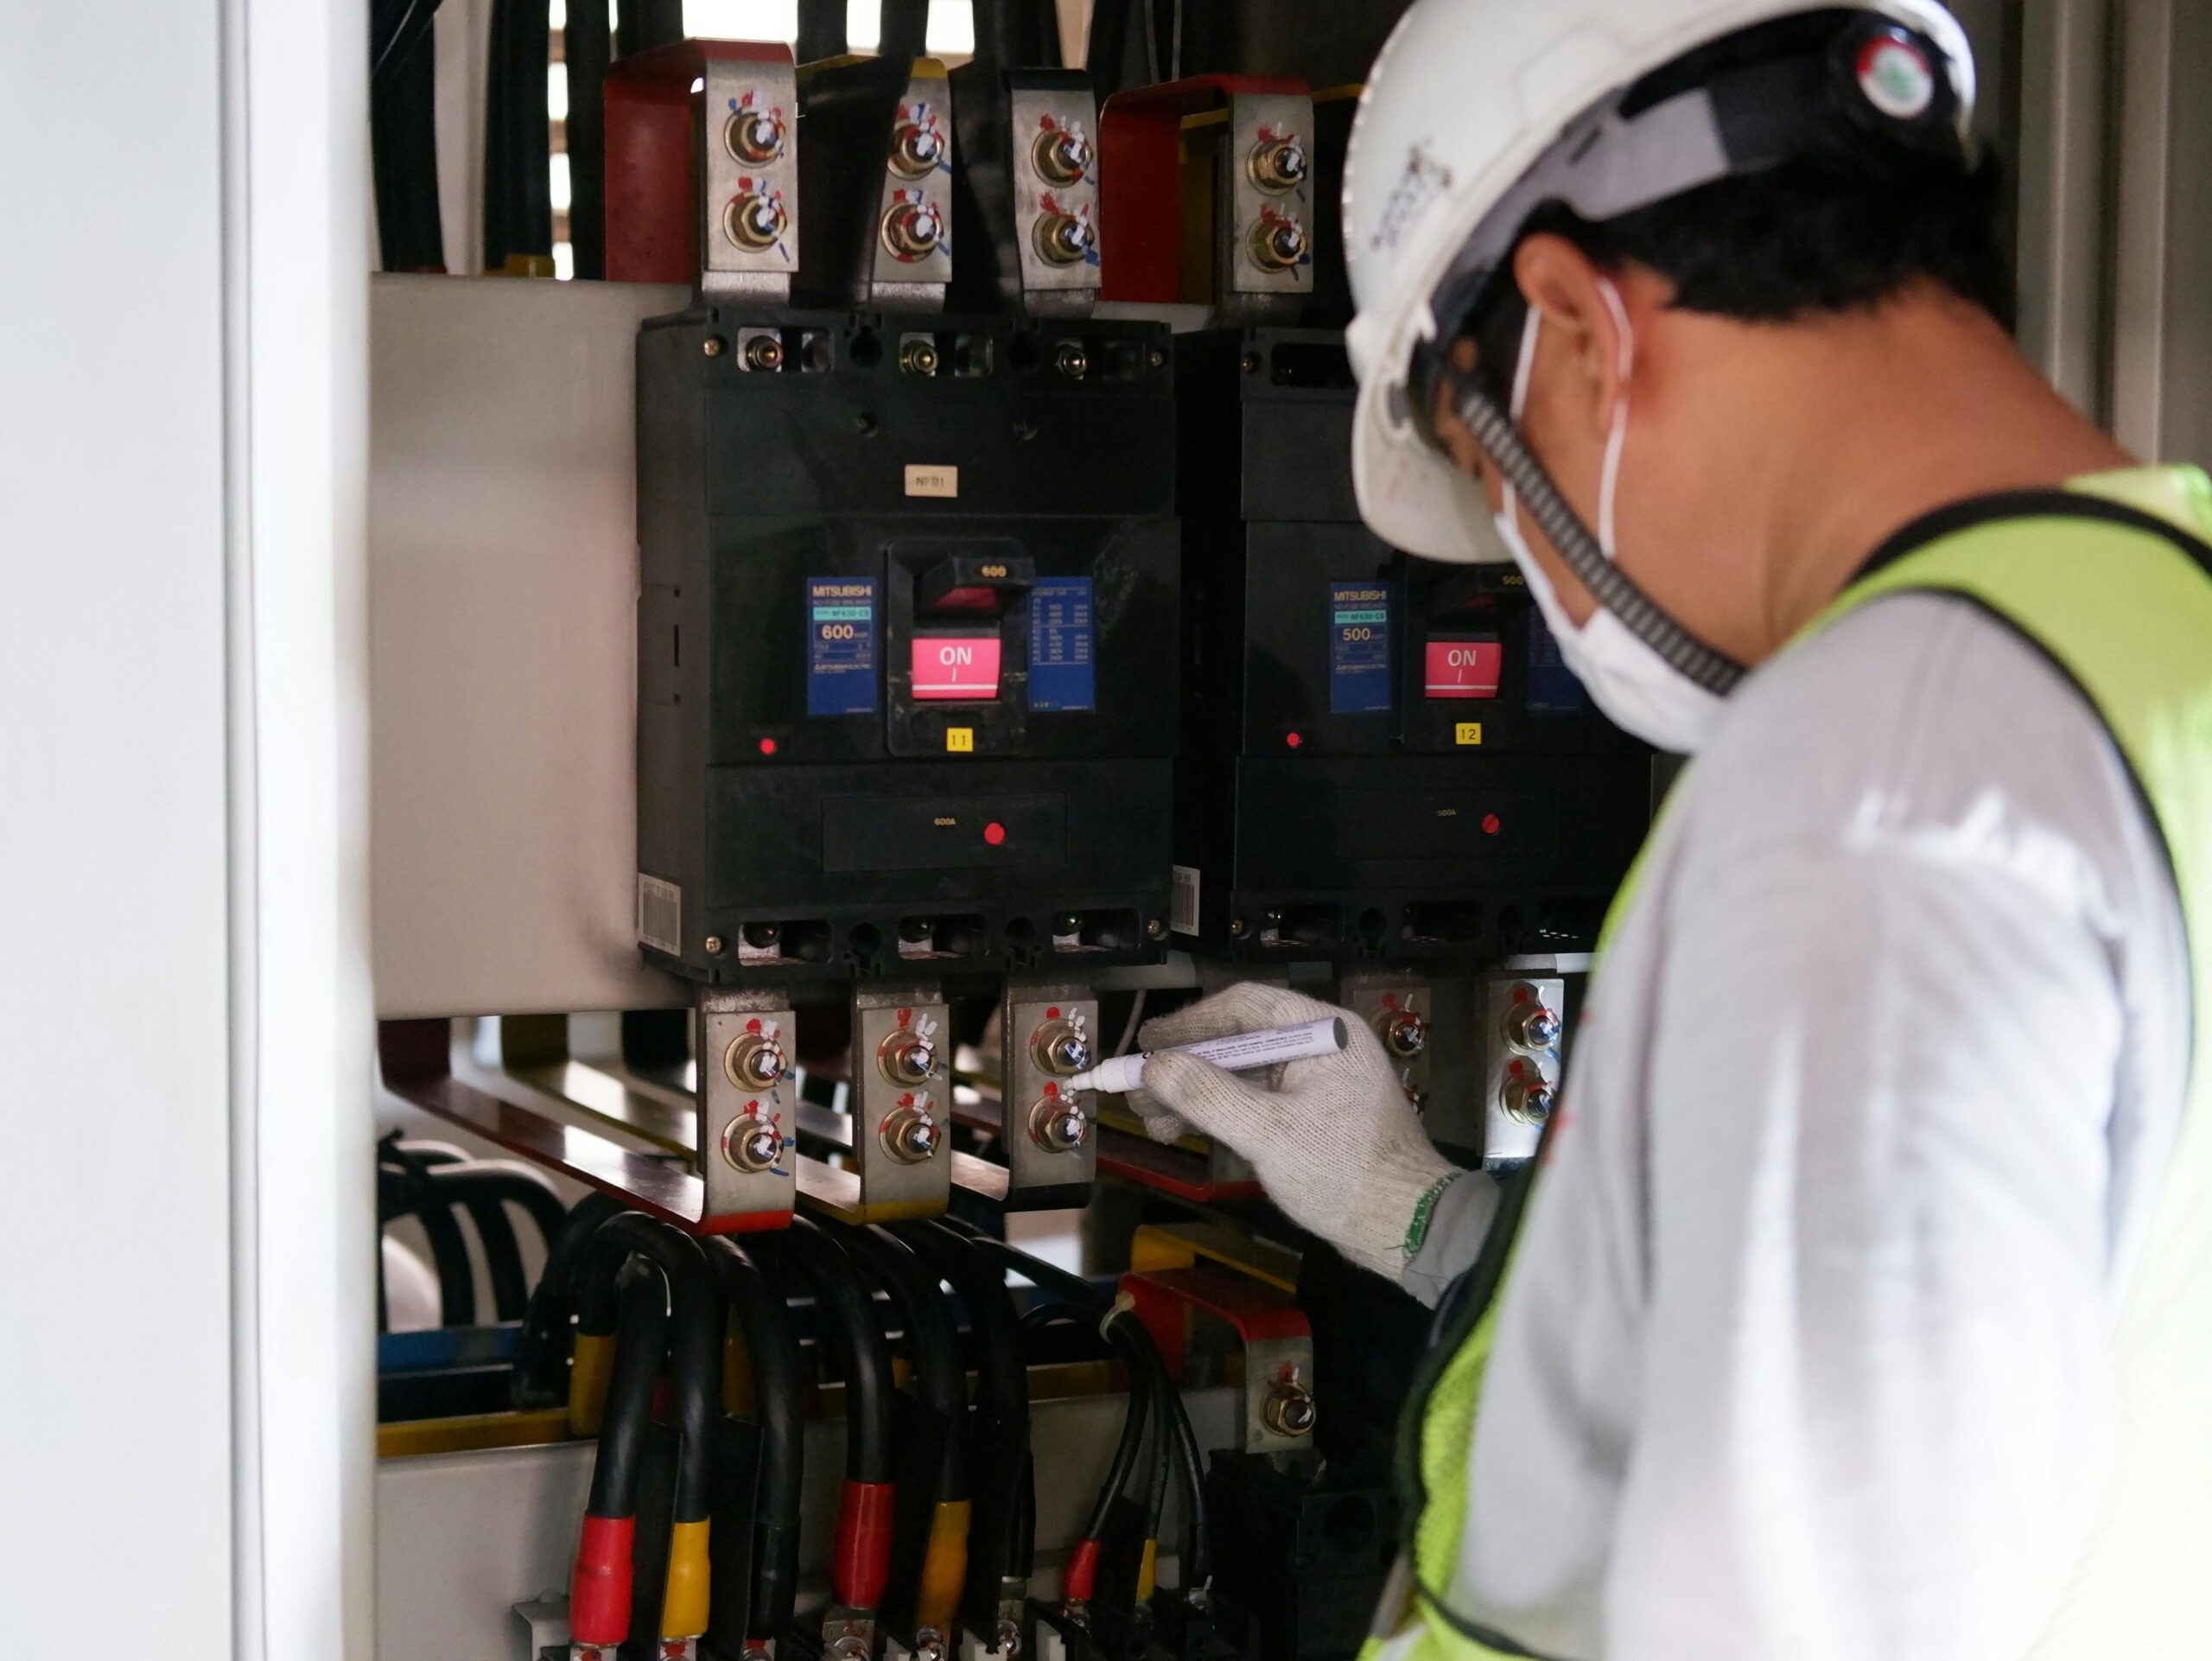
944,1567
1148,1570
588,1379
690,1571
737,1377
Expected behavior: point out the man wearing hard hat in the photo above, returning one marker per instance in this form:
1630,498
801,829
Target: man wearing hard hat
1860,1305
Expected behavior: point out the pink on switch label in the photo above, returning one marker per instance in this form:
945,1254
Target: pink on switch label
1465,669
963,667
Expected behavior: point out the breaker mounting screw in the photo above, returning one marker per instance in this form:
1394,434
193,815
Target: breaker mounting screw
1156,928
1238,927
713,944
713,345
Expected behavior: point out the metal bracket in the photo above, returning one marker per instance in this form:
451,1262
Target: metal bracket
417,1063
1277,1341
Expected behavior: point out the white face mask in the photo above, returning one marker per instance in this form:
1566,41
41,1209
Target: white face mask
1639,691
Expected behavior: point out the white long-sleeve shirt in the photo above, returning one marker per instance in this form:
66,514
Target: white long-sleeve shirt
1803,1354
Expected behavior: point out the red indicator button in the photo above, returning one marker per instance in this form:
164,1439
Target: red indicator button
1465,669
994,834
963,666
1492,825
1292,740
768,747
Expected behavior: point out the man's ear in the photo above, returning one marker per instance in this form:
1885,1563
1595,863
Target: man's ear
1583,346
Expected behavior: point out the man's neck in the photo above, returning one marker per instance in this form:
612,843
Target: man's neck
1920,405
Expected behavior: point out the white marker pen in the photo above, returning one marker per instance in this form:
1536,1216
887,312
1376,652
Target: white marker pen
1238,1053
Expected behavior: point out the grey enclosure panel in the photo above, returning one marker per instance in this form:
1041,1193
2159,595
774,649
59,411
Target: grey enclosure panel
503,574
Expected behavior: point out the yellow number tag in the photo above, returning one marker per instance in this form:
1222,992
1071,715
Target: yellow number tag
960,741
1467,732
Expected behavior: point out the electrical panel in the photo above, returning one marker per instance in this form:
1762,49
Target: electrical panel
1011,663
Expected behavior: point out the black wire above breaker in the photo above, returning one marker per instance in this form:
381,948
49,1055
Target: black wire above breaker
648,23
586,46
517,140
404,134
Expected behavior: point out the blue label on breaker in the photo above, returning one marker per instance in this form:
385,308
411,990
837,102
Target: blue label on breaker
1552,687
841,668
1359,648
1063,646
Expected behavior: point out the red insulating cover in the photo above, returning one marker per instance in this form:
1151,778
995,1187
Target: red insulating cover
863,1567
599,1589
1079,1579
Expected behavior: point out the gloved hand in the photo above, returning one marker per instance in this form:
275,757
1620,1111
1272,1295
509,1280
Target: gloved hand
1335,1142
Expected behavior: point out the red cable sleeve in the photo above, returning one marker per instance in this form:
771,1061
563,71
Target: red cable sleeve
1079,1579
863,1567
599,1589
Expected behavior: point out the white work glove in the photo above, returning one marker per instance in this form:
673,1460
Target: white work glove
1335,1142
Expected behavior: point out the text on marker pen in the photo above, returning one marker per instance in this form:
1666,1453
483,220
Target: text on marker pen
1238,1053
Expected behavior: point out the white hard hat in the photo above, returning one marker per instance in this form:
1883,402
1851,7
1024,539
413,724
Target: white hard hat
1478,112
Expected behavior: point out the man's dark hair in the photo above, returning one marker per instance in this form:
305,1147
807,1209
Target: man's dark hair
1853,219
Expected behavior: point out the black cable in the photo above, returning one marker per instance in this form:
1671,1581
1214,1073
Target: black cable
648,23
485,1194
518,134
404,1190
403,135
695,1347
541,1375
1178,1437
1133,1419
822,32
853,1328
640,1343
906,28
940,1377
586,48
771,1351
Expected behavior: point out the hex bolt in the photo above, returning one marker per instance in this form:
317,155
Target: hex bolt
1060,1048
752,1145
907,1058
1530,1101
1534,1027
1289,1410
1279,165
754,1062
1277,244
1065,240
917,150
1404,1033
1059,1126
1062,157
754,137
754,222
912,232
911,1137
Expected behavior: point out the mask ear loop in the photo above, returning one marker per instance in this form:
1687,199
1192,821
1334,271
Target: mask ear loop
1524,373
1609,483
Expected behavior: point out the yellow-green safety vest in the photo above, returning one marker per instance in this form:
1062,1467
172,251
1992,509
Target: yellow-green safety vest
2119,600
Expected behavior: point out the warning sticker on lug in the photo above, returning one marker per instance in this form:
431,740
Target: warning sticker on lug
841,665
1359,648
1063,673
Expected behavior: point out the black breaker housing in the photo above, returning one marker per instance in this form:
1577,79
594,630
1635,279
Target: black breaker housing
1328,806
821,506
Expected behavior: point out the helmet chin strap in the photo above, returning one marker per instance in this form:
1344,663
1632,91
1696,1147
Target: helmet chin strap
1612,587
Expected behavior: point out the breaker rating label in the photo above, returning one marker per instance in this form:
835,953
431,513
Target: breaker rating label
1359,648
1063,677
841,656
